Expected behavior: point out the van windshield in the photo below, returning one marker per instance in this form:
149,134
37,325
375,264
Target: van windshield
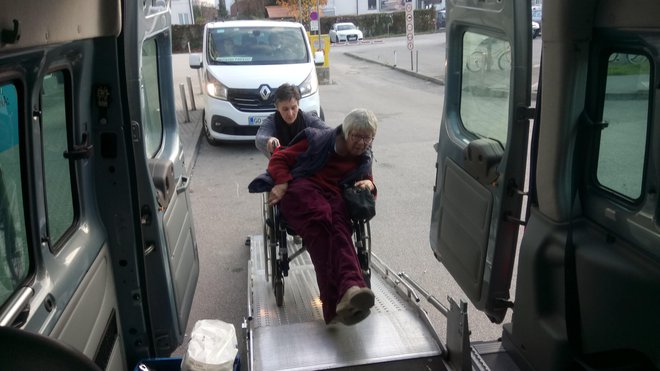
256,46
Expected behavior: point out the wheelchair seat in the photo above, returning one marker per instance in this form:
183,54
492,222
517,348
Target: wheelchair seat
277,250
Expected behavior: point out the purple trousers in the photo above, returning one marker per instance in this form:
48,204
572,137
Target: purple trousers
320,218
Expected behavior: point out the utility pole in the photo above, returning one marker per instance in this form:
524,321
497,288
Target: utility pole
192,13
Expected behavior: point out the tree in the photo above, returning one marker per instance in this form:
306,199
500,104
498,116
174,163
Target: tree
250,9
222,10
301,8
204,14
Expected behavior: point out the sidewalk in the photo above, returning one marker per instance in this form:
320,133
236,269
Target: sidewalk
427,60
190,132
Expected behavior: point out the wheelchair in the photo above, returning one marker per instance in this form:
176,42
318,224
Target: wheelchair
278,255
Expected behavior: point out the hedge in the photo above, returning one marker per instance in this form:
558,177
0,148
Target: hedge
372,25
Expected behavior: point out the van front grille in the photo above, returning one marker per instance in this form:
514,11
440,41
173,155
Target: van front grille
249,100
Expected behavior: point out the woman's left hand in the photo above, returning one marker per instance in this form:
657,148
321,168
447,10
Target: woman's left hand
366,184
277,193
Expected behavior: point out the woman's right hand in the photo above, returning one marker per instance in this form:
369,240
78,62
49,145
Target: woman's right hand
272,144
277,193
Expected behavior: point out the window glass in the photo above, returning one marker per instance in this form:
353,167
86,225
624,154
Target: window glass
14,257
485,86
153,125
57,172
256,46
625,109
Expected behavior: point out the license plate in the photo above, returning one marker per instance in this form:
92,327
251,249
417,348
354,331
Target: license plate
349,38
256,120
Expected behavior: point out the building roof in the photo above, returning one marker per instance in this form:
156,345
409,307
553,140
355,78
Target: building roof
278,12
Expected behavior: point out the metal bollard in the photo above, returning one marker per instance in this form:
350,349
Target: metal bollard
394,59
199,77
184,102
192,96
416,64
411,61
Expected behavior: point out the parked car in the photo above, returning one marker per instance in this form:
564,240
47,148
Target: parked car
345,31
536,30
537,16
441,19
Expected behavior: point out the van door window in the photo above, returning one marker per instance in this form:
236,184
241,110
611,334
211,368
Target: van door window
485,86
57,169
14,257
623,142
153,125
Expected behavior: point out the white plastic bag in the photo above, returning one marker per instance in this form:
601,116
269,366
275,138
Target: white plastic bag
212,347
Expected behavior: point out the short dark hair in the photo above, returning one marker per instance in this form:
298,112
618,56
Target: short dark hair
285,92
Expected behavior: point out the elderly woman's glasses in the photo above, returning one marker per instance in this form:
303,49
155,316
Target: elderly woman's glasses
363,138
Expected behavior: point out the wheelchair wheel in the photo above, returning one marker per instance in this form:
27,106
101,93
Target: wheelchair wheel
362,241
279,292
279,258
267,218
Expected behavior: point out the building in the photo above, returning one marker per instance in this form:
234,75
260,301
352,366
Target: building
353,7
182,12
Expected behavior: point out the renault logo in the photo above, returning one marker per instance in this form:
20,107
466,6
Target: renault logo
264,92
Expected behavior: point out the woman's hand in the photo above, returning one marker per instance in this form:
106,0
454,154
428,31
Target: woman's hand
272,144
366,184
277,193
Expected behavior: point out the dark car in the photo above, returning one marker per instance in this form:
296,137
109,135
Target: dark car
441,19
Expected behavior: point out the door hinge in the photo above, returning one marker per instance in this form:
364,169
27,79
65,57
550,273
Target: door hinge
513,189
511,219
80,151
525,113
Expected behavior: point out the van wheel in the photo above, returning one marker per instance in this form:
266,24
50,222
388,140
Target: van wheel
212,141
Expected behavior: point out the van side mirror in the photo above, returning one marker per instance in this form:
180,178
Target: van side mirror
195,60
319,57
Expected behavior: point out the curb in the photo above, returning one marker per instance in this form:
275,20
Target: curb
195,151
411,73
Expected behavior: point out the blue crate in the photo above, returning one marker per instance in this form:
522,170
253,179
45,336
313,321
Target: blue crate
161,364
173,364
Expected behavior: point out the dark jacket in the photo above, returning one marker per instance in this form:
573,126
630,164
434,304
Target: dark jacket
274,126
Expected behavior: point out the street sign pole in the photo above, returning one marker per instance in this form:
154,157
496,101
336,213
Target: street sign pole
410,29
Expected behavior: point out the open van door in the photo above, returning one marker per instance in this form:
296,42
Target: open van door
97,246
167,259
482,148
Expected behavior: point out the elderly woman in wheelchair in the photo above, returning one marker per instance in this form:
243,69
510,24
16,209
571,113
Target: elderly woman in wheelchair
306,180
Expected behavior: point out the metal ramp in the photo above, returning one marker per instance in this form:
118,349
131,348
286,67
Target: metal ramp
295,337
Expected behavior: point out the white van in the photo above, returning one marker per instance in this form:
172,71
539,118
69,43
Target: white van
243,63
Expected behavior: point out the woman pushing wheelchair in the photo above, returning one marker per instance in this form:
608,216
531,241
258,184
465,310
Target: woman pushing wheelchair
307,179
287,121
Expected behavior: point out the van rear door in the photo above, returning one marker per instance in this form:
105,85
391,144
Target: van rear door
167,247
482,148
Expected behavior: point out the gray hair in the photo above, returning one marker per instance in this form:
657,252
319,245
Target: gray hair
359,119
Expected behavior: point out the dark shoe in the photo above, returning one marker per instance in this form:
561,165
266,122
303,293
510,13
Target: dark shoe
355,299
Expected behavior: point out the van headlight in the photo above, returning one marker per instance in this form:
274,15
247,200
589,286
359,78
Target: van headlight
214,87
310,85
